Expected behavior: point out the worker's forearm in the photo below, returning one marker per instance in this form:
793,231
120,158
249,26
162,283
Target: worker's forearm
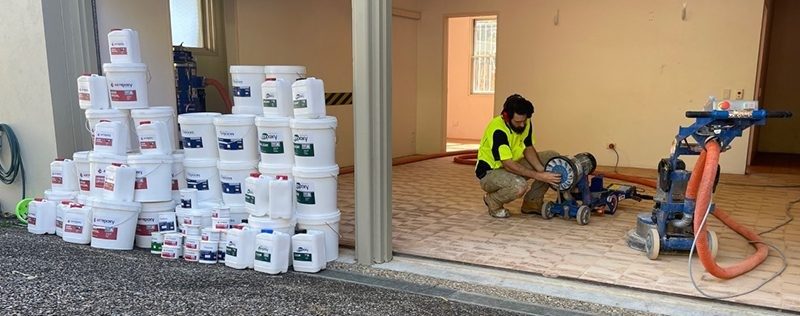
533,158
518,169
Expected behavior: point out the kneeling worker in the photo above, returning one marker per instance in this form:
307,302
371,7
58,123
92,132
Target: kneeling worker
507,159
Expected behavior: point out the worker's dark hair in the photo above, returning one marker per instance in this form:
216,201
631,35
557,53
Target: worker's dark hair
516,104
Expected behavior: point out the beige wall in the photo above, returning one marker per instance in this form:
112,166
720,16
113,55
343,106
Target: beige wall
317,34
26,104
467,113
621,71
151,19
783,65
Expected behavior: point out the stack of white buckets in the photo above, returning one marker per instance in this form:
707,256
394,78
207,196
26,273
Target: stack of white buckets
129,183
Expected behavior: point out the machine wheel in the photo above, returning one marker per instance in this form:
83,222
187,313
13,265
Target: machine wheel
583,215
547,212
652,244
713,243
613,203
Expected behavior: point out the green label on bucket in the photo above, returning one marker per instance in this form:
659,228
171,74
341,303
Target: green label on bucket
302,256
249,198
300,104
270,103
305,193
262,256
304,150
271,147
231,251
155,246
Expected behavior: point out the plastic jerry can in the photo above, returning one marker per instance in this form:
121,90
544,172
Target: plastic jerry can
308,98
92,92
64,175
281,202
256,194
154,138
123,46
42,217
239,253
272,252
308,251
119,183
276,95
110,137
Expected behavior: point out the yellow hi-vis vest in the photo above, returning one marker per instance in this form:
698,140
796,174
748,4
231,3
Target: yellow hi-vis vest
500,143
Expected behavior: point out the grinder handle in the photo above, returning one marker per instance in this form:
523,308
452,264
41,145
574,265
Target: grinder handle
780,114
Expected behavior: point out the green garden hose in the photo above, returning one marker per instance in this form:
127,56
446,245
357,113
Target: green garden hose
9,174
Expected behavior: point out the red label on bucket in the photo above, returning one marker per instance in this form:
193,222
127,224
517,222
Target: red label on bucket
57,180
100,232
119,50
59,223
148,145
99,181
123,95
145,230
141,184
31,220
74,229
84,96
108,186
85,185
175,185
100,141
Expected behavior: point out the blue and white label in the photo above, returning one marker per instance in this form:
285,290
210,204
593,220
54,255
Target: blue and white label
199,184
241,91
231,188
166,222
231,143
208,255
192,142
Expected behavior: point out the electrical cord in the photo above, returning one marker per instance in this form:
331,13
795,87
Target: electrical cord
16,168
775,275
789,216
616,163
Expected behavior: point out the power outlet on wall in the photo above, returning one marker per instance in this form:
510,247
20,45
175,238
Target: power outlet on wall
726,94
739,95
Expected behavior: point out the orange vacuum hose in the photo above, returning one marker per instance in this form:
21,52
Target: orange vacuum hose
223,92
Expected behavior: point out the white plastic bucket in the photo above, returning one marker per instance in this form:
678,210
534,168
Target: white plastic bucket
171,252
209,234
191,230
178,175
286,226
276,97
308,98
191,243
203,175
247,85
199,217
232,176
153,177
198,135
314,141
123,46
290,73
114,224
221,211
120,183
63,175
173,240
191,255
249,110
81,159
154,217
98,162
154,138
94,116
275,140
236,136
127,85
208,252
316,190
77,224
188,198
275,170
327,223
238,214
163,114
92,92
111,137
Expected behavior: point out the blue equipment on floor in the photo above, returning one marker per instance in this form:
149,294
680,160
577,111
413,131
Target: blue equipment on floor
669,227
189,87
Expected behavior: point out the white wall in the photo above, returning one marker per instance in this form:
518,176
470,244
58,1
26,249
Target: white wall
26,104
151,19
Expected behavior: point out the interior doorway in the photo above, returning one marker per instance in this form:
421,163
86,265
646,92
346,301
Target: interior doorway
470,56
776,146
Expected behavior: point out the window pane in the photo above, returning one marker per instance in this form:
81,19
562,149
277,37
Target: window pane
484,47
186,20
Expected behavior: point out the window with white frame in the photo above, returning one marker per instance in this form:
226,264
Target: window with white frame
187,19
484,48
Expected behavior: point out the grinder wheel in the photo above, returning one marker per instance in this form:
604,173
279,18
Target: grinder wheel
564,167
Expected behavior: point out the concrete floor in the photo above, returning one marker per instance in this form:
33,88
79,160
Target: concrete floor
438,213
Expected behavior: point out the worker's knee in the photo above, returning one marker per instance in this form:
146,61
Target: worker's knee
521,186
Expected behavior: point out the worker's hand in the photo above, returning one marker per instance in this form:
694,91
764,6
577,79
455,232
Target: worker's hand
549,177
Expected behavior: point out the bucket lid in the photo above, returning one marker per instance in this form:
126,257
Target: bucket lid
234,120
167,206
318,123
124,67
316,172
106,113
252,110
153,111
178,155
81,156
319,219
106,157
273,169
285,69
196,118
199,163
271,223
272,121
117,205
246,69
140,158
237,165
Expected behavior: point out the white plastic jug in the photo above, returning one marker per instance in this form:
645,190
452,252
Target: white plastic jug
256,194
119,183
92,92
93,117
60,209
98,162
77,224
281,201
81,159
276,96
289,73
163,114
272,252
154,138
123,46
42,217
308,251
308,96
111,138
63,176
239,253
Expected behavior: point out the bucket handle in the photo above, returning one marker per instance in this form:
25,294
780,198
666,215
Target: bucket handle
335,231
135,215
145,174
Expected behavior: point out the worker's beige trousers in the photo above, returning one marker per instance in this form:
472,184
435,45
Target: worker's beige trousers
503,186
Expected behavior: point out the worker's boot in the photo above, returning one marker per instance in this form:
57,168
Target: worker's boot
532,207
495,210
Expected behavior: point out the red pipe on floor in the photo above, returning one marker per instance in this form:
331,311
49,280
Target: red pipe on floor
223,92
